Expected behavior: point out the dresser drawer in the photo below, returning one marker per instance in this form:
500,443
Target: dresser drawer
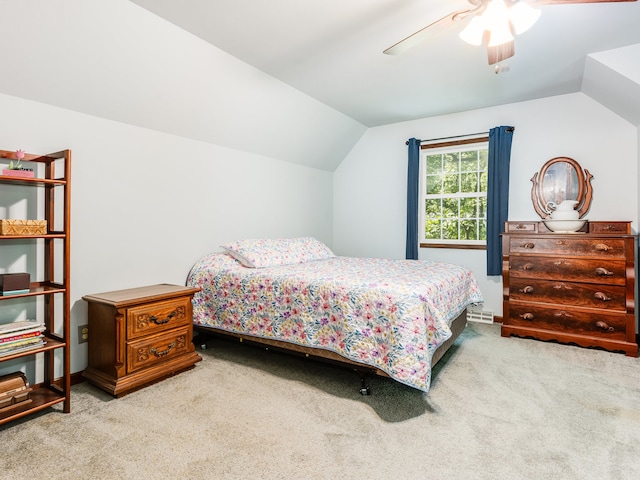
593,323
158,317
148,351
599,270
575,246
609,297
610,227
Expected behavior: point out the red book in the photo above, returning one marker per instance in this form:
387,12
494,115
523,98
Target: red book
20,336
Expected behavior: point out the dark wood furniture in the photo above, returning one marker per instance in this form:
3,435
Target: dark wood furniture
48,296
576,288
139,336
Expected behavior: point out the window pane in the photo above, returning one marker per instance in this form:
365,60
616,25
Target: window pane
482,208
482,227
451,184
469,161
450,208
451,163
433,208
468,207
484,160
484,181
468,230
432,229
450,229
434,184
434,164
469,182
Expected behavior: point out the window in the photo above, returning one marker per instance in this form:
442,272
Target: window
454,194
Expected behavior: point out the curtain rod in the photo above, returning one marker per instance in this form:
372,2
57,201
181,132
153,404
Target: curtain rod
510,129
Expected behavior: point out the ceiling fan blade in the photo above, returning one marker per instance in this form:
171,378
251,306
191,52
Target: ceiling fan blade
421,35
567,2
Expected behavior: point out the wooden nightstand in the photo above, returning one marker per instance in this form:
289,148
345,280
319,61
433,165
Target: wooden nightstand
139,336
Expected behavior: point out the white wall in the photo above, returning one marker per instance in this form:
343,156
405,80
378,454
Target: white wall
114,59
370,184
146,205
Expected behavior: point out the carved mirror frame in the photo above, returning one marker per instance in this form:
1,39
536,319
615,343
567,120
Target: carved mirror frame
561,178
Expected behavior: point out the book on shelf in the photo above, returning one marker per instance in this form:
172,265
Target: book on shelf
21,345
20,326
4,353
8,293
12,337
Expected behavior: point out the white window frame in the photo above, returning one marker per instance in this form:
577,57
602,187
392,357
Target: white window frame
481,143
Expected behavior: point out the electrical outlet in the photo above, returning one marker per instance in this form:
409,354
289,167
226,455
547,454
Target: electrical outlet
83,333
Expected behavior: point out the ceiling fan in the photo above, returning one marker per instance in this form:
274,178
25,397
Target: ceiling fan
493,22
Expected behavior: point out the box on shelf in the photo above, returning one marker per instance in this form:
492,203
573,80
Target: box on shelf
14,389
18,173
14,282
23,227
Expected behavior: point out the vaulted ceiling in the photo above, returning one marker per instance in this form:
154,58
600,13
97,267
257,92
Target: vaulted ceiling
332,51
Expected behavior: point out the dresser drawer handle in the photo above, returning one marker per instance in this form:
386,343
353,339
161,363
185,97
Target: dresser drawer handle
162,353
529,245
527,316
601,296
528,266
603,326
527,289
602,247
603,272
162,321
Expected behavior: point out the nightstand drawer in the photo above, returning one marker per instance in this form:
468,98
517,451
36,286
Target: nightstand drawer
158,317
158,348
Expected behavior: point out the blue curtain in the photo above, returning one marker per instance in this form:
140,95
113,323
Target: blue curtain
497,194
413,182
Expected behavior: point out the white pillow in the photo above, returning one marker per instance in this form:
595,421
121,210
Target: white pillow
260,253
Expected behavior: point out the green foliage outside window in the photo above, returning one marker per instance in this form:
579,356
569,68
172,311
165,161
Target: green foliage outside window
455,197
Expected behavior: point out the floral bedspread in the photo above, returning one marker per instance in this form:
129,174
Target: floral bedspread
390,314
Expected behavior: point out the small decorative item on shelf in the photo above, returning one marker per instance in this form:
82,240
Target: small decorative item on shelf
14,390
14,283
23,227
16,169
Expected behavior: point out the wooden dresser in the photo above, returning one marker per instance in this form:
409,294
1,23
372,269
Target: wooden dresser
139,336
576,288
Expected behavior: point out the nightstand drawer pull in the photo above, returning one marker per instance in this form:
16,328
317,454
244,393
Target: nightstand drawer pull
602,247
527,316
603,326
158,321
528,266
527,289
528,245
603,272
162,353
601,296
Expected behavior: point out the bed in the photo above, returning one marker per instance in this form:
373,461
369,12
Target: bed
394,318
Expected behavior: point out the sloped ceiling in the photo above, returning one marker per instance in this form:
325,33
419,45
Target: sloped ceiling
332,50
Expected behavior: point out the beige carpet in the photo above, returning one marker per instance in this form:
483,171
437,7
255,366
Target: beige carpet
498,409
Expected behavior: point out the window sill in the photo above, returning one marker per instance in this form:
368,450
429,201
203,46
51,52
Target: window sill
463,246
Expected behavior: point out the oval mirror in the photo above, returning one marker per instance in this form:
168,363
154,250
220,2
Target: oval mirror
561,179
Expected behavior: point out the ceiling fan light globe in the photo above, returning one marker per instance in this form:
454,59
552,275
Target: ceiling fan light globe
523,17
499,35
473,33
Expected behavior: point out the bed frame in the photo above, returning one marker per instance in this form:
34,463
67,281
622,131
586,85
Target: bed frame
363,370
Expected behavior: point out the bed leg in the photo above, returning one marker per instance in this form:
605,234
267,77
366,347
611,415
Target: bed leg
364,386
